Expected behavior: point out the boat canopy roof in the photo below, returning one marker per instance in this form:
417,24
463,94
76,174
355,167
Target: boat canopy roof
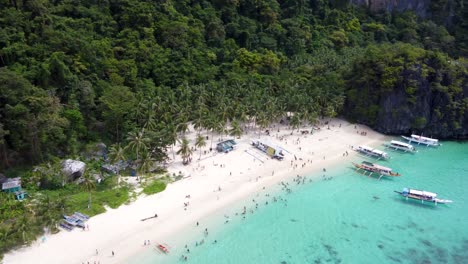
379,152
382,167
377,166
365,148
425,138
422,193
399,143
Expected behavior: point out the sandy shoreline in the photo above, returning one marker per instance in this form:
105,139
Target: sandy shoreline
238,174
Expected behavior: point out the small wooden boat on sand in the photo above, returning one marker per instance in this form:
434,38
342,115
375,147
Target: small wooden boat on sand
163,248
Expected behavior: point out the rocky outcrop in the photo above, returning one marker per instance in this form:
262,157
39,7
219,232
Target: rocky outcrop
420,7
430,115
426,95
73,169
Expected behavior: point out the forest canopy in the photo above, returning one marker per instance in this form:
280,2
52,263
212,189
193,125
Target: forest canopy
74,72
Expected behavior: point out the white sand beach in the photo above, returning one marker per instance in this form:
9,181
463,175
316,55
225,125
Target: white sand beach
214,182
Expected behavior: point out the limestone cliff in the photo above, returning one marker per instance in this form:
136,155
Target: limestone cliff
396,94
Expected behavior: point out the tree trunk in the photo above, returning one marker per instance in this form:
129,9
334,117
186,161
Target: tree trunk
6,163
212,135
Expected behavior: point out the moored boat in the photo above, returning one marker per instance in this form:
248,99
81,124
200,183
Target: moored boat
368,151
422,196
422,140
398,145
375,168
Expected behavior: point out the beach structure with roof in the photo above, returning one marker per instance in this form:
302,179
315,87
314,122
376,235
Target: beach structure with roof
226,146
269,148
13,185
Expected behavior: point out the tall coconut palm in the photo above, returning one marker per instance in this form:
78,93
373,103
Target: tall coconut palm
236,130
61,204
170,135
138,142
185,151
116,153
88,184
22,226
295,121
200,143
147,162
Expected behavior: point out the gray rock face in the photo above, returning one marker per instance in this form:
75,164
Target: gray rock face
430,112
73,169
101,149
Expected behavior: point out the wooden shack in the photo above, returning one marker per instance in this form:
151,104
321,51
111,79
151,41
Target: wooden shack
13,185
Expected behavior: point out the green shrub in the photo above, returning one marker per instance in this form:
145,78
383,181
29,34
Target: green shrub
155,187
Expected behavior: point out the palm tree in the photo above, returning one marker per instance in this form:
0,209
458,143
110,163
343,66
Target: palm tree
236,130
61,204
88,184
185,151
116,153
295,121
22,227
147,162
170,135
137,142
200,143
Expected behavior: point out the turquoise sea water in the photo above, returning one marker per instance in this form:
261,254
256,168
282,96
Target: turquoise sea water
349,218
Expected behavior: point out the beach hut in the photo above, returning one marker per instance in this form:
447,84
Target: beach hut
226,146
269,148
13,185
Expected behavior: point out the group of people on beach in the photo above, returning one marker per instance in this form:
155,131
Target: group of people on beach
298,161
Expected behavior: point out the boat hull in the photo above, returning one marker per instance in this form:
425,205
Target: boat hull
400,148
423,199
375,170
419,142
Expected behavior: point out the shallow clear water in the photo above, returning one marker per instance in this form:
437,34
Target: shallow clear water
349,218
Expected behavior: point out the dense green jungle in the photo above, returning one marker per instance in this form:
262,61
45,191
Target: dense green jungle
133,75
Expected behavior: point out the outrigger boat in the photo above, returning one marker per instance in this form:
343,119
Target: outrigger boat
422,140
398,145
368,151
375,168
163,248
422,196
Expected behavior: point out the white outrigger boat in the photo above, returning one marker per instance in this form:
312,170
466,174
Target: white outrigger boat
422,140
368,151
422,196
375,168
398,145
